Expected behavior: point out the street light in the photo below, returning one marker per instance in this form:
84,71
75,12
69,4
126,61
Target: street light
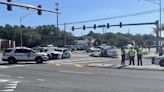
57,10
160,18
21,18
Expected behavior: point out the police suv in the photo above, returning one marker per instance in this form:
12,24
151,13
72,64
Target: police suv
13,55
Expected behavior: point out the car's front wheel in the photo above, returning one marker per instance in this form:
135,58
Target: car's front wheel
39,60
161,63
12,60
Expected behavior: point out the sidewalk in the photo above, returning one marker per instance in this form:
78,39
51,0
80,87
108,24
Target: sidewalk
144,67
150,55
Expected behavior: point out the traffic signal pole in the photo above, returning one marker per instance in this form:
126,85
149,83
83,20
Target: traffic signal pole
157,37
27,6
156,23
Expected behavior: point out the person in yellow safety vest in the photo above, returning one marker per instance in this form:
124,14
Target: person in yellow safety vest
139,56
123,56
131,56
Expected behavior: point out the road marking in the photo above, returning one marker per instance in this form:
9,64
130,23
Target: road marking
20,77
57,64
12,84
5,75
11,66
8,90
73,72
3,80
78,65
40,79
11,87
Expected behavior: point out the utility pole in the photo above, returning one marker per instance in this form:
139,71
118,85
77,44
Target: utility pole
157,37
160,18
103,35
65,39
160,27
21,37
57,10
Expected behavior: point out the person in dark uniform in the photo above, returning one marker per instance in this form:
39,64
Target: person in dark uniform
122,56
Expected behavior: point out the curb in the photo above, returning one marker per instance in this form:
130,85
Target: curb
150,68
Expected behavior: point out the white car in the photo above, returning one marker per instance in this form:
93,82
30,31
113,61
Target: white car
13,55
65,52
51,53
92,49
158,60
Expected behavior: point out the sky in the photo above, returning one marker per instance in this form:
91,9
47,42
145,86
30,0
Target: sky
83,10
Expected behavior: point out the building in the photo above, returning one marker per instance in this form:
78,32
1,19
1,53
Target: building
6,43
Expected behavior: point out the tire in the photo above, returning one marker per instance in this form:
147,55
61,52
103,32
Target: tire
39,60
49,56
161,63
12,60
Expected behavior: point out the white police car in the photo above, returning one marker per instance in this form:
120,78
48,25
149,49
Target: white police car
13,55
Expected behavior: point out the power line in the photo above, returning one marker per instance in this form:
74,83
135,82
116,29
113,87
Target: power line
36,1
115,17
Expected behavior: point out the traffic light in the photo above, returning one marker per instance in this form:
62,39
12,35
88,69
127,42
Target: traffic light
156,22
9,7
83,27
73,28
108,25
39,11
120,24
94,26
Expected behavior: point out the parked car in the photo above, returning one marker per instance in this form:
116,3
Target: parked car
92,49
66,53
109,52
13,55
71,47
51,53
128,46
158,60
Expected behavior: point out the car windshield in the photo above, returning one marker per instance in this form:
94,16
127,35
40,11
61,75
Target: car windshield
8,50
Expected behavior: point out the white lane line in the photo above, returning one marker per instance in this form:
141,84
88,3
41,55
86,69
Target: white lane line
10,87
12,84
3,80
74,72
40,80
8,90
5,75
20,77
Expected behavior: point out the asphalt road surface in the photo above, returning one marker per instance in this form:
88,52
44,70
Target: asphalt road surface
47,77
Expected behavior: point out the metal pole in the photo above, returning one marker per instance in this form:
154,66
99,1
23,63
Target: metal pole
103,36
57,9
157,37
21,38
160,8
21,31
65,40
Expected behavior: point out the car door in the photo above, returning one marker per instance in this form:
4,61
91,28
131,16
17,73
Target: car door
31,55
21,54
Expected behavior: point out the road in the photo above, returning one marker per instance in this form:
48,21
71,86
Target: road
47,77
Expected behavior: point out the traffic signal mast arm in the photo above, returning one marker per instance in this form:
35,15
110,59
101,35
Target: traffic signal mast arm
28,6
120,25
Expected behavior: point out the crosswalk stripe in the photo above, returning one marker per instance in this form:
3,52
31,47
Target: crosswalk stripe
8,90
11,66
